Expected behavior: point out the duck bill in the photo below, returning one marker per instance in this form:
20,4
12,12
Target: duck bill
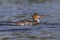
41,16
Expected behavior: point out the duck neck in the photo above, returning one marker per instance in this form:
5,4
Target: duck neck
36,21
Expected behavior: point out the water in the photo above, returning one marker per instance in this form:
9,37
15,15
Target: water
48,30
38,32
32,32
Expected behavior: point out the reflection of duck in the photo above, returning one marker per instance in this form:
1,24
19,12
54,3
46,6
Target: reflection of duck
28,22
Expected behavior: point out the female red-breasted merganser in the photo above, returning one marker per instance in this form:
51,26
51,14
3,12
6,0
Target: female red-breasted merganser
28,22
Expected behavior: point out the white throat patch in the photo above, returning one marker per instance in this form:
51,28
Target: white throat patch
38,20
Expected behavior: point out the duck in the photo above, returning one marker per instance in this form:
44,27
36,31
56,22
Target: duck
35,21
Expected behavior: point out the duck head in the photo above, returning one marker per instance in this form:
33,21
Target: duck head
36,18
